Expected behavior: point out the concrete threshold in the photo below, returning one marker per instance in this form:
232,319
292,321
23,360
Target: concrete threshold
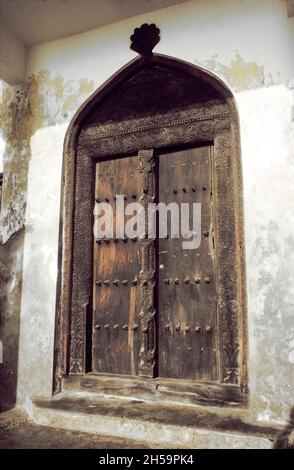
164,424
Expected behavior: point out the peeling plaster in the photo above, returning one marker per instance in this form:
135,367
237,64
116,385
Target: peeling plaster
39,105
41,101
239,74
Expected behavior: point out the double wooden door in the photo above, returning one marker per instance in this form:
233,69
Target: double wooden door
155,303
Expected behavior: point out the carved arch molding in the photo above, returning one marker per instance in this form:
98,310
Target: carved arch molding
154,102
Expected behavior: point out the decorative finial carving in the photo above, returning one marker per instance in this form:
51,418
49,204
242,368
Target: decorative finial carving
145,39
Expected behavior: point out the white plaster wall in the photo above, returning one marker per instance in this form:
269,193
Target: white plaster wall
250,45
194,31
40,263
267,134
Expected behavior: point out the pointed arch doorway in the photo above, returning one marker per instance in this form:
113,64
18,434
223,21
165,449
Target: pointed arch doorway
159,130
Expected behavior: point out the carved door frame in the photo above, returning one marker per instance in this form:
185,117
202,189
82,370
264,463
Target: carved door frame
218,125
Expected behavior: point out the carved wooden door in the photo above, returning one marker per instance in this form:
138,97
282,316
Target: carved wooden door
154,303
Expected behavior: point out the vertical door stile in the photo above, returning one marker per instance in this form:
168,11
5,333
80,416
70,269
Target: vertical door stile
147,269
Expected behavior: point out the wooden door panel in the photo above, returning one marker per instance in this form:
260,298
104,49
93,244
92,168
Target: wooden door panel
116,266
186,278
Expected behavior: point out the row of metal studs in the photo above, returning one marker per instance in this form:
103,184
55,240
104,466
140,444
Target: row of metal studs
167,327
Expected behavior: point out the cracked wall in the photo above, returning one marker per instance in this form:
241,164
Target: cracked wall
233,39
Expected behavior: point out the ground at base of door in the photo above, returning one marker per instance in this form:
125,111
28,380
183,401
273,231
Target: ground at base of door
17,431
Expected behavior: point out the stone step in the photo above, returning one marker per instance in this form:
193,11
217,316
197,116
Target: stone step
161,424
158,389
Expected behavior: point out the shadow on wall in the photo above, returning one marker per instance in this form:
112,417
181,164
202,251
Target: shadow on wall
16,109
11,258
285,440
